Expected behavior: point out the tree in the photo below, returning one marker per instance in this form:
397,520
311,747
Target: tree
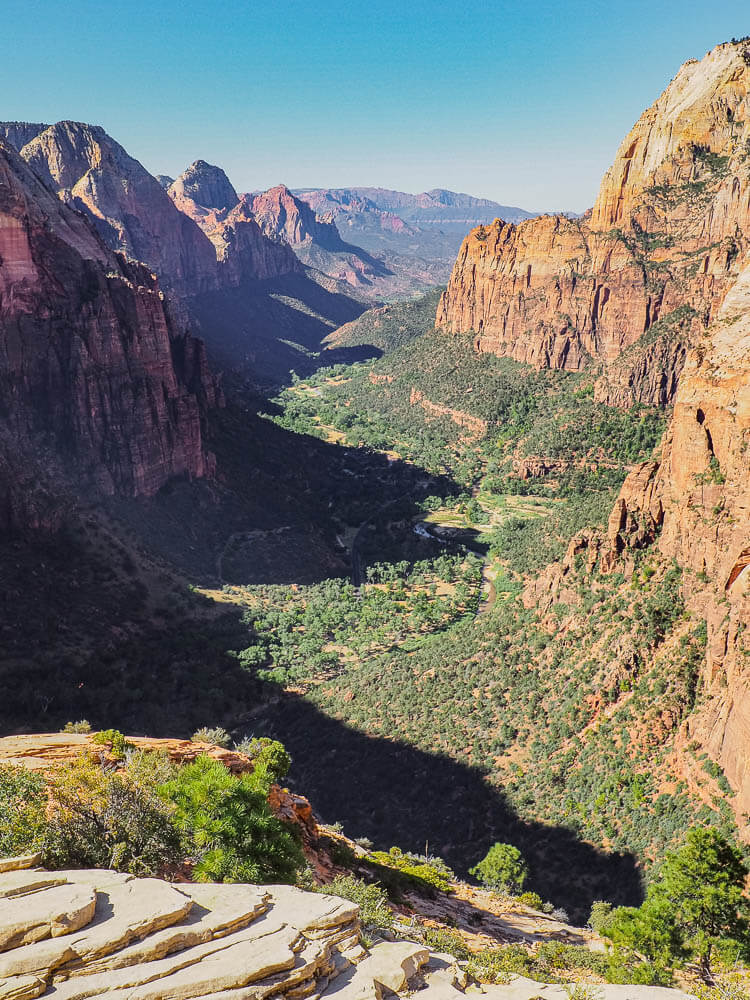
227,824
101,818
704,880
696,903
502,867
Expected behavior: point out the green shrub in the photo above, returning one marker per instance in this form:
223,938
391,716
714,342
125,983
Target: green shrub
77,727
532,900
502,868
215,735
113,738
443,940
227,825
432,872
99,818
22,806
497,965
600,912
374,907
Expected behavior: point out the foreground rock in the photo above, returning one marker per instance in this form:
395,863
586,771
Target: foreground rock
72,935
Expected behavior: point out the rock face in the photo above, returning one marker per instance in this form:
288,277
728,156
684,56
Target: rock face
78,934
205,185
696,500
128,207
93,367
244,252
647,269
280,214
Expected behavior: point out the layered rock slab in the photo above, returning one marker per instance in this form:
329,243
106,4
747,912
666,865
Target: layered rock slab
79,934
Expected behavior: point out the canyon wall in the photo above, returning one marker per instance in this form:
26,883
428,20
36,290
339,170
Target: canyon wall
694,502
630,285
126,205
97,379
244,251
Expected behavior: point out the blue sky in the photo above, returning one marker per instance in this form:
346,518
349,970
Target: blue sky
522,102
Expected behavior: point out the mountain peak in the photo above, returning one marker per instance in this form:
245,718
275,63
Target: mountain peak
205,184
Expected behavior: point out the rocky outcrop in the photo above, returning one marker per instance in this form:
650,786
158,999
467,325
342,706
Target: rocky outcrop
280,214
94,369
204,184
662,245
127,206
243,251
696,502
78,934
43,751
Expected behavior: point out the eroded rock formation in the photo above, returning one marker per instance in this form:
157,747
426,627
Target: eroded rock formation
96,375
696,501
244,252
128,207
639,277
279,213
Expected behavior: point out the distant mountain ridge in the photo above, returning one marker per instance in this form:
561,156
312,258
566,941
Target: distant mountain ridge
438,206
426,228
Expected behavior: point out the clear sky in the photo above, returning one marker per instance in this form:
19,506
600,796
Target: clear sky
522,102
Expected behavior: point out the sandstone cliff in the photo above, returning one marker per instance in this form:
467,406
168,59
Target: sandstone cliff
318,244
279,213
95,374
695,501
244,252
128,207
647,269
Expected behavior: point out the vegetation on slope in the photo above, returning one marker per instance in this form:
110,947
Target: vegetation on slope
568,709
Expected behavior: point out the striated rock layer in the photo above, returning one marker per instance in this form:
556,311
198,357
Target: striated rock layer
696,501
93,366
645,271
127,206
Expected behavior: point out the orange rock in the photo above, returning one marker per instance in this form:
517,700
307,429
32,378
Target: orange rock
668,230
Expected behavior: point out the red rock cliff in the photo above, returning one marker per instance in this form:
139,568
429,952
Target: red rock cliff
244,252
699,495
648,268
279,213
95,375
128,207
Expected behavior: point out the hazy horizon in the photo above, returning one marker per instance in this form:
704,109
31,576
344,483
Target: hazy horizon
521,104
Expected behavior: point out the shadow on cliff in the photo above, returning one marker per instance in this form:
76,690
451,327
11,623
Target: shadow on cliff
396,794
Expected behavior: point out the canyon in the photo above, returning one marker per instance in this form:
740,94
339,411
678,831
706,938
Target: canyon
202,393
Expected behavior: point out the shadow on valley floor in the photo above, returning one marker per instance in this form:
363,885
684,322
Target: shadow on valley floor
269,328
397,794
101,620
282,506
